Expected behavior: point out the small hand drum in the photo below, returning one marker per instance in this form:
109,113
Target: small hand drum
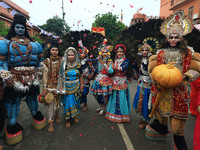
48,98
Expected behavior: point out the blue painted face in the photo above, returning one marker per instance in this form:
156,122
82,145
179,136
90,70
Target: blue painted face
19,29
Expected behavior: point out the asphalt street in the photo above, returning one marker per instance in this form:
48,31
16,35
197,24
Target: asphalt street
93,132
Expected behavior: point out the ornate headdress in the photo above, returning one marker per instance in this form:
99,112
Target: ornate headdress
149,43
107,49
120,45
83,48
104,48
177,23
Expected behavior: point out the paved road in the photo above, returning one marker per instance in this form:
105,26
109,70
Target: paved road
93,132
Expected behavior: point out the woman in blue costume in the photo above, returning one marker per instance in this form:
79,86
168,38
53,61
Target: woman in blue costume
142,95
101,87
118,109
70,85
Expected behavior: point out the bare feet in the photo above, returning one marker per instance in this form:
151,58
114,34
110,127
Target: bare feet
1,147
141,126
51,128
85,107
76,120
67,125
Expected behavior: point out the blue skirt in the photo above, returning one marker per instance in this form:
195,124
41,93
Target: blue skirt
140,103
71,106
118,109
97,89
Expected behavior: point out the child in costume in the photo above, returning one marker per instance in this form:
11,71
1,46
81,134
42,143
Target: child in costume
19,62
70,84
101,88
174,103
88,72
140,103
51,67
118,109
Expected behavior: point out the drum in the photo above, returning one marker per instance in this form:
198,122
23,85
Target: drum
47,98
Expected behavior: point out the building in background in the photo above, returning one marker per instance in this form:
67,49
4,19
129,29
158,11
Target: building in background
191,8
139,17
165,6
7,11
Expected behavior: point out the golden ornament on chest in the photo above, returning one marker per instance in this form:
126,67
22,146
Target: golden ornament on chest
166,76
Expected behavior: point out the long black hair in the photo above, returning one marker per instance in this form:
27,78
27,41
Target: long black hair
18,19
54,43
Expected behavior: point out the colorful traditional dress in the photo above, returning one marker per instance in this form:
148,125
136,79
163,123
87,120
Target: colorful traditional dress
118,108
87,70
50,81
71,100
140,103
102,83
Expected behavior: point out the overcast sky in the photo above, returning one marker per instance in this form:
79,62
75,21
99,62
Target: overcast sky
85,10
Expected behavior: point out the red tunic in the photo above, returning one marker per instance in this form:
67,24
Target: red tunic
195,96
175,102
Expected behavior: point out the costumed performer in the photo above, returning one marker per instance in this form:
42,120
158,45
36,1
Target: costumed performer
102,85
88,73
173,104
49,96
20,58
70,84
140,103
118,109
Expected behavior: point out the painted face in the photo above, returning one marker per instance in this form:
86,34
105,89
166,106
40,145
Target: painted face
120,53
174,38
71,56
105,54
54,51
145,52
19,29
82,55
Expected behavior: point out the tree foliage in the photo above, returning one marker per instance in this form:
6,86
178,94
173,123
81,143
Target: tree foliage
3,29
110,23
55,25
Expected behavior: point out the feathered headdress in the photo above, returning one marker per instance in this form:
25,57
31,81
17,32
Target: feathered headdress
149,43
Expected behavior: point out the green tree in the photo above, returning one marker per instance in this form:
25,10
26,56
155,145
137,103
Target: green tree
110,23
3,29
55,25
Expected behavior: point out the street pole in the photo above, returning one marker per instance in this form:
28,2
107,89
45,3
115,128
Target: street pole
63,10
